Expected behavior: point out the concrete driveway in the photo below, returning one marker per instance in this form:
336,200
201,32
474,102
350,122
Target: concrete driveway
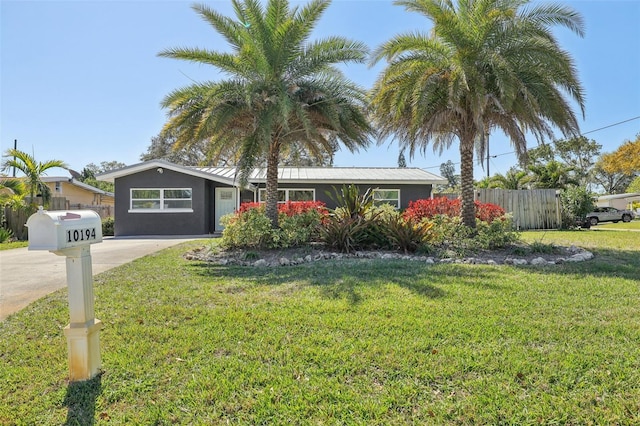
26,276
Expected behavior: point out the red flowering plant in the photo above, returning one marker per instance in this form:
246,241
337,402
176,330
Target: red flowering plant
427,209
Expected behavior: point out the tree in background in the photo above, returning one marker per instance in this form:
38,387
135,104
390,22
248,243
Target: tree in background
615,171
163,147
580,155
402,160
634,186
571,160
33,171
91,170
448,171
486,64
626,159
552,175
282,90
513,179
605,175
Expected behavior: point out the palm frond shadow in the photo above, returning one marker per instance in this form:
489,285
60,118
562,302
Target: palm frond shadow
346,279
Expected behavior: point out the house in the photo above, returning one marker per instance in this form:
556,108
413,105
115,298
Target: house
161,198
619,201
77,193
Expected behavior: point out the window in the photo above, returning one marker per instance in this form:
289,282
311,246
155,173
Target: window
58,188
387,196
169,200
285,195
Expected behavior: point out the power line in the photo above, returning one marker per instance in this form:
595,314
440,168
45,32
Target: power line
581,134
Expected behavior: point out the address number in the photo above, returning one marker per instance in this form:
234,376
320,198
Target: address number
75,235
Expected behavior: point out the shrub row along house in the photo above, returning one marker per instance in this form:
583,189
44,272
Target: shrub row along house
161,198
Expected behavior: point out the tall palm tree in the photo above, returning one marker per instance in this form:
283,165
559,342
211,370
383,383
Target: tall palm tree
32,169
486,65
282,89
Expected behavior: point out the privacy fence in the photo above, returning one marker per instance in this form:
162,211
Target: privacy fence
531,208
15,219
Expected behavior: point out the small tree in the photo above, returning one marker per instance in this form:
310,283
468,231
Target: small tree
33,171
576,203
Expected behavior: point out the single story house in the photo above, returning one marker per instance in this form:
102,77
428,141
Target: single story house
161,198
619,201
77,192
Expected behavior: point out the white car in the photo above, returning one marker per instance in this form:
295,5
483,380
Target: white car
609,214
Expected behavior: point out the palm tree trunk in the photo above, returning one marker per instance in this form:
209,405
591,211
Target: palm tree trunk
271,207
468,208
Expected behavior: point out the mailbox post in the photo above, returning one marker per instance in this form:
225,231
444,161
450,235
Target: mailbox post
70,234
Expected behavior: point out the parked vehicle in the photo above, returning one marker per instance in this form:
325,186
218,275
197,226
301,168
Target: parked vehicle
609,214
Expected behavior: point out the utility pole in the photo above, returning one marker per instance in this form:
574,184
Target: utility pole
15,147
488,156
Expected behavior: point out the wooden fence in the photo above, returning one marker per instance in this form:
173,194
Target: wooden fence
61,203
15,219
531,208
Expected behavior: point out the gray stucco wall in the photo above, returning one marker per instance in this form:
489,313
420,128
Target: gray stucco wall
197,223
201,220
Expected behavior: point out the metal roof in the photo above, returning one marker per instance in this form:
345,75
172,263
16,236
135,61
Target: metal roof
328,175
335,175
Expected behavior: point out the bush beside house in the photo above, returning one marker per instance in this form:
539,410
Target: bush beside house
359,224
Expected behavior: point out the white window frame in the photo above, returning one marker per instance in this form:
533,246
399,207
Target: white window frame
286,193
386,200
162,208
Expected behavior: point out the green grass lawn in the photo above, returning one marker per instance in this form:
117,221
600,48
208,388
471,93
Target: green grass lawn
13,245
349,342
634,224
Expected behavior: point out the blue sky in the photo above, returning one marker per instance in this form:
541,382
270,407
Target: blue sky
80,81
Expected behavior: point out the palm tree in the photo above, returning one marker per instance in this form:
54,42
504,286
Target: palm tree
486,65
32,169
552,175
12,192
282,90
513,179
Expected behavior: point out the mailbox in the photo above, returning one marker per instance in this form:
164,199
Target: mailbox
60,229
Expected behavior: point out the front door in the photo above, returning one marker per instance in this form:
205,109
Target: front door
226,199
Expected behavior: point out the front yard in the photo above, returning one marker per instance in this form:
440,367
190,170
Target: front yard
343,342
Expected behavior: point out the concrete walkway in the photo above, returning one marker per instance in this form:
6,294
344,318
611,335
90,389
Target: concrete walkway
26,276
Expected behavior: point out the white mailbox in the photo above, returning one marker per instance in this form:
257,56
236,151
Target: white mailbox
60,229
71,234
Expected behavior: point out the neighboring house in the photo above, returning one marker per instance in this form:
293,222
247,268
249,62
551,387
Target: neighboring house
78,193
161,198
619,201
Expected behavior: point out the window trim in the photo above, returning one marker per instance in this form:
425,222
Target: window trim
162,209
286,193
386,200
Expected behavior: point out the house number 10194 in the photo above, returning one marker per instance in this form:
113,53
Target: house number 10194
75,235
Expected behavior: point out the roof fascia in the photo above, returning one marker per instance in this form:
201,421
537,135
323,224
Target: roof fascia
148,165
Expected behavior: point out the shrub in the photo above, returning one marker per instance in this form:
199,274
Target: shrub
421,209
299,225
576,203
495,234
108,227
344,233
407,235
250,228
350,202
5,234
